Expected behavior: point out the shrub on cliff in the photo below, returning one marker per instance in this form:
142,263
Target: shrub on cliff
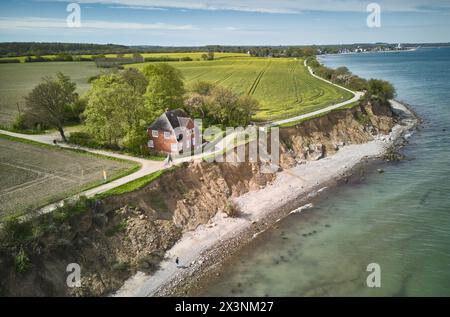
380,89
232,209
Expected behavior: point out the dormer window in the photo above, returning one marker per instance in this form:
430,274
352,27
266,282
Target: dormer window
167,135
155,133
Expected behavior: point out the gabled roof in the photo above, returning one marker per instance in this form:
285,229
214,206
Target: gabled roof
170,120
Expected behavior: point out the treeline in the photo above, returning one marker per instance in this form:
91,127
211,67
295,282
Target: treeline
58,58
376,89
167,59
15,49
32,49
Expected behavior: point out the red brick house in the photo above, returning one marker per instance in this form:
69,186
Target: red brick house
162,132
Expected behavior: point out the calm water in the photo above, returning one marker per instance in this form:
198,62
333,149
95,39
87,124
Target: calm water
399,219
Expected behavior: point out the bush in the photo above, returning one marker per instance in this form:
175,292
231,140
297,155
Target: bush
15,232
92,78
121,227
150,262
20,122
9,61
83,139
380,89
121,266
22,262
167,59
232,209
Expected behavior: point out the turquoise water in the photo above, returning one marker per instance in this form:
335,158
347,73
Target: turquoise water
399,219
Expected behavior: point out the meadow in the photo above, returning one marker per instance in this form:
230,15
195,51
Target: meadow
33,175
283,87
193,55
17,80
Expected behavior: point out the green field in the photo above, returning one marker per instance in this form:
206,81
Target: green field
283,87
17,80
194,55
34,175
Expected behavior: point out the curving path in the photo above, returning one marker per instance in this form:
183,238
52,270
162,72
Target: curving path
356,96
149,166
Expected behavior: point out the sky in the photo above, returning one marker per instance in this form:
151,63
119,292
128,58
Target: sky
224,22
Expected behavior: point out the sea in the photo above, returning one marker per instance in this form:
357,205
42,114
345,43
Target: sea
386,234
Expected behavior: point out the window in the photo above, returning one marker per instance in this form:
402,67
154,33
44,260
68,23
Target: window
167,135
150,143
193,141
155,133
174,147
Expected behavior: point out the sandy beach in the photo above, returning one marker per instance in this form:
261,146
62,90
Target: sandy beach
208,244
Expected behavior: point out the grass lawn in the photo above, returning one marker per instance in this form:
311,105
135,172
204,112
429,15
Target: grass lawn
134,185
32,175
293,123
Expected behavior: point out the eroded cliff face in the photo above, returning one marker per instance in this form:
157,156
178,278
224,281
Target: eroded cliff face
119,235
323,136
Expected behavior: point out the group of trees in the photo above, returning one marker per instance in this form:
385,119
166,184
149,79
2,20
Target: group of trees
121,105
283,51
217,105
14,49
209,56
376,89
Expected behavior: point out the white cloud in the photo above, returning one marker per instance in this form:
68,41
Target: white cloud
228,28
42,23
280,6
139,8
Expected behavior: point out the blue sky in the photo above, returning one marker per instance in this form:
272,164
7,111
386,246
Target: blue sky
232,22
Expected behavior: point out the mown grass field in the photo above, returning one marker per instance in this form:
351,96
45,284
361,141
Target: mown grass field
283,87
17,80
34,175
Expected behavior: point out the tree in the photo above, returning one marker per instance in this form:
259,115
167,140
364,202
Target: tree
341,71
380,89
219,105
165,88
50,101
203,88
135,79
116,114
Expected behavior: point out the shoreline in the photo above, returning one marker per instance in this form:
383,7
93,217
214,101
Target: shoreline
372,52
203,250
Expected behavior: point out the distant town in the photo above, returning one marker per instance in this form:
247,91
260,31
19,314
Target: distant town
378,48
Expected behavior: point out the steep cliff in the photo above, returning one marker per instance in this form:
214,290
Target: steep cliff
114,237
